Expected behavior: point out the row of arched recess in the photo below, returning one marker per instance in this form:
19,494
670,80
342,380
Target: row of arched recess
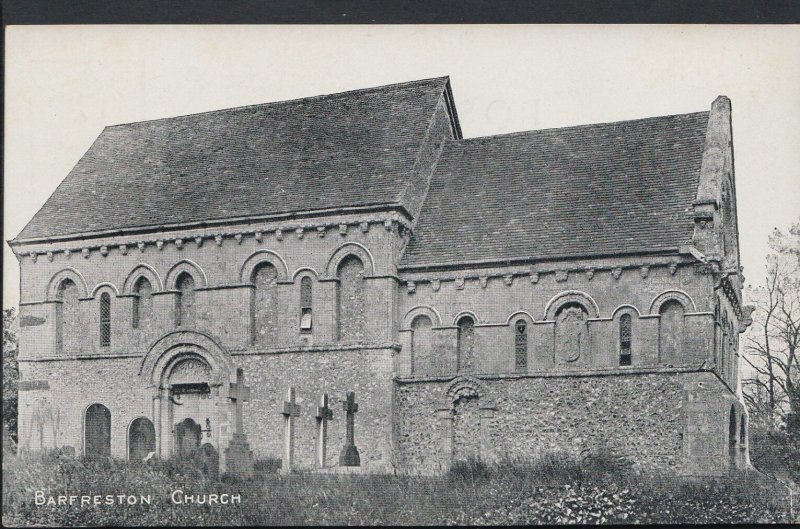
264,270
97,434
571,312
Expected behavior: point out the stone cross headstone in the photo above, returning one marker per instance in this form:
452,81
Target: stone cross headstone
324,414
238,456
349,456
290,411
239,394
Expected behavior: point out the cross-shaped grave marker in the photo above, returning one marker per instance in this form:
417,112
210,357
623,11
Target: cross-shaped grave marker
349,456
290,411
324,414
239,394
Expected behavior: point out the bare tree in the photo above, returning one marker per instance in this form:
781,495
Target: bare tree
772,389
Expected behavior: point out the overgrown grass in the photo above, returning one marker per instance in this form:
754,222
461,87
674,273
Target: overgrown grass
550,489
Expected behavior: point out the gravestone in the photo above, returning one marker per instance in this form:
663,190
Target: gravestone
290,411
349,456
324,414
238,456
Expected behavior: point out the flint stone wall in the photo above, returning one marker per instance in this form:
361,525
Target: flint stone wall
639,417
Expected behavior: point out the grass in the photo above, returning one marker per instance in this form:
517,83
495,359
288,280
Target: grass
550,489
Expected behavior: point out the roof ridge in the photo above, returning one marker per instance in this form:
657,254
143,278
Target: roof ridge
574,127
319,97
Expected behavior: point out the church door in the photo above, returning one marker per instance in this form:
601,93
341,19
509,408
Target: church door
466,429
187,438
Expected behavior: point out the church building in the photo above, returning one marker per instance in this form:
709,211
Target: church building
346,282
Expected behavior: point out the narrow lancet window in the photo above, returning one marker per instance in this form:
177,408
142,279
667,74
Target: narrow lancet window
105,320
521,345
625,333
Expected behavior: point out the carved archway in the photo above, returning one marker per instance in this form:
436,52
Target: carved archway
678,295
263,256
466,395
571,296
146,271
51,293
350,248
186,265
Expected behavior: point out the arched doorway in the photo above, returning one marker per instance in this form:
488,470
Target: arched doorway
466,428
141,439
732,433
97,432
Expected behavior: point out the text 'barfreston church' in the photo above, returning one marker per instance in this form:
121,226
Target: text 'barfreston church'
345,281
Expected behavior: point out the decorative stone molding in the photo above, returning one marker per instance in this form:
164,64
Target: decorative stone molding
263,256
644,271
123,249
459,283
34,256
589,273
348,248
160,244
185,265
104,251
616,272
85,252
426,310
67,253
321,231
299,232
571,296
411,287
508,279
142,270
258,236
179,243
387,224
198,241
141,246
561,275
218,239
682,297
534,277
50,256
484,280
66,273
238,237
343,230
436,285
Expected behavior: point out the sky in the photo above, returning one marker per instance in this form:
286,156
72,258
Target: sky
64,84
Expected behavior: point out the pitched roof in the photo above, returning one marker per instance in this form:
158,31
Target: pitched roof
578,191
359,147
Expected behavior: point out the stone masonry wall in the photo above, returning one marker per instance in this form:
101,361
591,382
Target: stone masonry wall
642,418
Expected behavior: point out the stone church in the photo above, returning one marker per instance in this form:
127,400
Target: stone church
346,281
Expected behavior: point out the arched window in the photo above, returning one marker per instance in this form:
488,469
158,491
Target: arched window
670,331
521,345
142,303
306,302
572,332
421,344
350,300
105,319
184,302
465,346
141,439
625,334
97,432
264,309
67,317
